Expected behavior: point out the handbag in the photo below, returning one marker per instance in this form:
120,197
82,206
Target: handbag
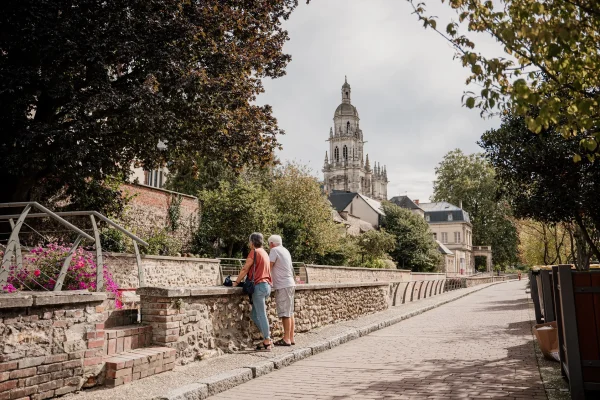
248,286
228,281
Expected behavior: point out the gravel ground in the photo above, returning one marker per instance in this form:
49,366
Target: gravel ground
157,385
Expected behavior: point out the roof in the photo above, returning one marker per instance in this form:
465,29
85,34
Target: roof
405,202
440,212
346,109
443,249
340,199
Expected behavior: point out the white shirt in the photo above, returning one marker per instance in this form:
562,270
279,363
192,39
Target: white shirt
282,272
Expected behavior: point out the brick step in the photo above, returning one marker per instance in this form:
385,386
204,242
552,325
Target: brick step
125,338
137,364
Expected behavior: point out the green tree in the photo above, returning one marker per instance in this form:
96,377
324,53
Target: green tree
415,247
551,49
304,218
538,177
87,89
470,179
230,213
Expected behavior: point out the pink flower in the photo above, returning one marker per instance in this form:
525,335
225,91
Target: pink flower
37,272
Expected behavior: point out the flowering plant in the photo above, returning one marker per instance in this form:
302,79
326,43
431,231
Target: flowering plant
41,269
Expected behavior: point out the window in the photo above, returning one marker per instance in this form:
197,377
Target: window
348,127
450,217
427,218
345,153
444,237
434,236
336,154
456,237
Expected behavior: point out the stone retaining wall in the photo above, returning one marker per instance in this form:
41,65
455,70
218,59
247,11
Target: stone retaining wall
163,271
480,280
203,322
334,274
426,276
50,342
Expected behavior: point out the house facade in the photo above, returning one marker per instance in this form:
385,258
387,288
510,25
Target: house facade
352,205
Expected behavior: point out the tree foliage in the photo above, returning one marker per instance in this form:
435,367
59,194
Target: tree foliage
537,175
415,247
470,179
304,218
545,244
87,88
550,62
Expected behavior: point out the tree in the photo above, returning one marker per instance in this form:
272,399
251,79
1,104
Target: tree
470,180
415,247
87,88
230,213
538,177
551,50
544,244
304,217
373,247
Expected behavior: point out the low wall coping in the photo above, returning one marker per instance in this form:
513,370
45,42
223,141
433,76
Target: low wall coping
428,273
36,299
357,268
223,290
150,257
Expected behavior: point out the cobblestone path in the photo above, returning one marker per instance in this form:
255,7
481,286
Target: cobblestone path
478,347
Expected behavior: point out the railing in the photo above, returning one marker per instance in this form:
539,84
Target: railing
13,249
233,266
406,292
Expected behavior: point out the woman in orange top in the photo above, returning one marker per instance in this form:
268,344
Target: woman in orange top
258,269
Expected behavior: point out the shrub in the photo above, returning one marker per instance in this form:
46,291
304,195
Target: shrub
41,269
162,244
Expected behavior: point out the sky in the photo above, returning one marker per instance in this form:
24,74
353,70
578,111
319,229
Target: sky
405,84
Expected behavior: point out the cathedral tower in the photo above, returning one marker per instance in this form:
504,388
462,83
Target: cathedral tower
345,168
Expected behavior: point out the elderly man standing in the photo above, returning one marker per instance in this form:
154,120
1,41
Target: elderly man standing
282,273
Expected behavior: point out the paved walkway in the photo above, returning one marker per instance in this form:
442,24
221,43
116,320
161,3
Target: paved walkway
478,347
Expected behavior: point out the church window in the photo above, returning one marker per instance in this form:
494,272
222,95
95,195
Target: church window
336,154
347,95
345,153
348,127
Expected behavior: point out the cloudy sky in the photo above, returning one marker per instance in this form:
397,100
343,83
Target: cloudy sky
405,85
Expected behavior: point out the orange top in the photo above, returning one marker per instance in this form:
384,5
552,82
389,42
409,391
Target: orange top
262,269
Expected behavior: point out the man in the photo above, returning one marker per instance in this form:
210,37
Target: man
282,273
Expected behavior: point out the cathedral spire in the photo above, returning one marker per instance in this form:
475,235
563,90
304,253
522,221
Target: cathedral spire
346,91
330,132
367,165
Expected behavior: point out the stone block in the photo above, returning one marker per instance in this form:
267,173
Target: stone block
44,369
283,360
52,385
365,330
31,362
261,368
227,380
300,354
163,292
43,395
65,390
194,391
15,300
56,358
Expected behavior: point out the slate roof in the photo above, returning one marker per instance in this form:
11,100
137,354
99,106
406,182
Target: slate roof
438,212
405,202
374,204
340,199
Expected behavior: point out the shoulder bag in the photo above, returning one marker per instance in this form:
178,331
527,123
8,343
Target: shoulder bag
248,287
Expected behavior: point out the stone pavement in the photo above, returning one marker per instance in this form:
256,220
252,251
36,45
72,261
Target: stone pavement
478,347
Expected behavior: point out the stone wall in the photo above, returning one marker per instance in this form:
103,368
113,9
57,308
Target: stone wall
202,322
148,212
480,280
50,342
333,274
163,271
426,276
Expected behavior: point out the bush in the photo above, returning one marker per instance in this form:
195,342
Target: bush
41,270
162,244
113,240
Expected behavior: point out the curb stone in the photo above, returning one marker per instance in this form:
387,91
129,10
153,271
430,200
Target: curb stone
227,380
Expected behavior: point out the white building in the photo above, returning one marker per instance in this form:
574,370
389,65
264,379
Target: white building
346,167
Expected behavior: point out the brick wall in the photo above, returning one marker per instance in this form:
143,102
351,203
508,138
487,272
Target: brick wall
334,274
163,271
148,212
50,342
203,322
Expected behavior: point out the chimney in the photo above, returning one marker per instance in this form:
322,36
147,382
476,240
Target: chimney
416,201
460,204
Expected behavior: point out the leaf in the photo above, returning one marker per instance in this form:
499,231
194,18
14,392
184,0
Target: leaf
470,103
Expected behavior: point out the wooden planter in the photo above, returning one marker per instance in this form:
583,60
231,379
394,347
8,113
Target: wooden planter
578,318
542,295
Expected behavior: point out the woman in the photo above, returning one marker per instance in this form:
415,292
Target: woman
258,270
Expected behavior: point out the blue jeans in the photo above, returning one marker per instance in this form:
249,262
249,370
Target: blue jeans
259,308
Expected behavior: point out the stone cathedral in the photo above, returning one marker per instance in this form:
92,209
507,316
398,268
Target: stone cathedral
346,166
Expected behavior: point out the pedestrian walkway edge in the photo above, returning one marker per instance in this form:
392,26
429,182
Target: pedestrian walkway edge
219,383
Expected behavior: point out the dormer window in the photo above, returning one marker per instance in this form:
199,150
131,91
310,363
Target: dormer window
427,218
450,217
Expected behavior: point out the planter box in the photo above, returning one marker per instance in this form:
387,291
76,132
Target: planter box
542,294
578,318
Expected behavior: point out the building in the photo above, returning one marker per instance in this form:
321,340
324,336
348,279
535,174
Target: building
156,178
451,226
406,202
346,167
352,205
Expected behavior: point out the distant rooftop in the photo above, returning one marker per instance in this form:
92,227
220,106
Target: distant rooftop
444,212
441,206
405,202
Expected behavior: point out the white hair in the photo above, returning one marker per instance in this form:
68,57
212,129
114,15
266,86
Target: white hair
275,239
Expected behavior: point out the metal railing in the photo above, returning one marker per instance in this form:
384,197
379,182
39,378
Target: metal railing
233,266
13,250
406,292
